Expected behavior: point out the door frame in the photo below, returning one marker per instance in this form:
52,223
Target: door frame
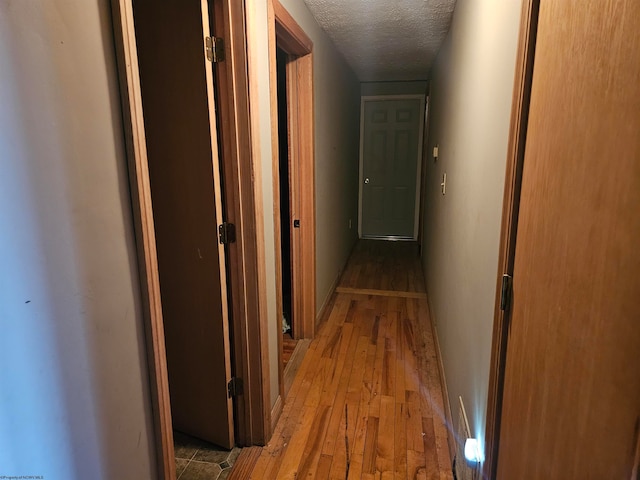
247,299
285,33
419,159
511,203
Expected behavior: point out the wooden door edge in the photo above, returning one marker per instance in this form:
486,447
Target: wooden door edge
305,274
133,122
277,229
511,201
261,332
244,207
295,42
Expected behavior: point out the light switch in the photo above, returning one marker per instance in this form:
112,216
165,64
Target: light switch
435,153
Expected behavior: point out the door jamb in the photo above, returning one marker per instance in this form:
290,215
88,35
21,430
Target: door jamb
252,408
511,203
285,32
290,37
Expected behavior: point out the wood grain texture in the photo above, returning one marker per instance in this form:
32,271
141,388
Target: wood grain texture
184,172
233,103
133,119
571,405
253,67
369,381
383,267
245,463
292,39
277,220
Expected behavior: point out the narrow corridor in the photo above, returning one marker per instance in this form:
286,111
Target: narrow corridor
367,401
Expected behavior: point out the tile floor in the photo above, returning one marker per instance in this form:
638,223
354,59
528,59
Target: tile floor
199,460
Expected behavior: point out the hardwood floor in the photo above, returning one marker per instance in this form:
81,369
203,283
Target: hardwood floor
383,266
367,400
288,347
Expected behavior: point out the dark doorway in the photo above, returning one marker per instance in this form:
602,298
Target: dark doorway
285,198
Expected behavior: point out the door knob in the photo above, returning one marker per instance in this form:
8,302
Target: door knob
366,180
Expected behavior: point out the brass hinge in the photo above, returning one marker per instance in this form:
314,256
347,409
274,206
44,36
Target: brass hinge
215,49
505,294
235,387
227,233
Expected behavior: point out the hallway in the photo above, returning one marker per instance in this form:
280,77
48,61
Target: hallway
367,400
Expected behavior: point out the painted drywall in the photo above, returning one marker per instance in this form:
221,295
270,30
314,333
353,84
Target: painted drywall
336,103
74,400
393,88
471,88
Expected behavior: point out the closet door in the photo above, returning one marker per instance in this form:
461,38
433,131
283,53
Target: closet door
571,404
180,126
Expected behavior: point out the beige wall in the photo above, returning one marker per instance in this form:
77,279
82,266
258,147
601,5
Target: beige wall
336,97
74,399
471,89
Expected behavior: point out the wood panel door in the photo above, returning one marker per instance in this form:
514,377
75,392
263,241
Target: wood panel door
391,147
180,126
571,400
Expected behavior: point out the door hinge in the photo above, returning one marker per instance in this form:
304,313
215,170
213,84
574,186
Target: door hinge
215,49
235,387
227,233
505,294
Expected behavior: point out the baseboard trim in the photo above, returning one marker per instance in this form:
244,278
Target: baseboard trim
294,363
276,411
328,301
443,379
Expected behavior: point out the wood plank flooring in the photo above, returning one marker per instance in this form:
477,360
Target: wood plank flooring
384,266
367,401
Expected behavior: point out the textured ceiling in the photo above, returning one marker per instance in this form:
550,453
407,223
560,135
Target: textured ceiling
386,39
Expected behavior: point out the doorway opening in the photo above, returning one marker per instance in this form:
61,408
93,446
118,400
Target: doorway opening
289,341
294,190
285,207
187,134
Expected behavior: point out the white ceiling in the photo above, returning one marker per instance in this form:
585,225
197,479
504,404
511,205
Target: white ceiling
385,40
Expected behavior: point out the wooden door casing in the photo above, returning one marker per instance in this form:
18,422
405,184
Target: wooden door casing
571,399
178,102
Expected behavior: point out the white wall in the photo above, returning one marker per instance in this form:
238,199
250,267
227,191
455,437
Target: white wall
74,399
336,103
471,88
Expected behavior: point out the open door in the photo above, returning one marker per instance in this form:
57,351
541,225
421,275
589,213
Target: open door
180,126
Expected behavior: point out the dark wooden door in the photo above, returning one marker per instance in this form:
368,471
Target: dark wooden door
179,112
571,403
